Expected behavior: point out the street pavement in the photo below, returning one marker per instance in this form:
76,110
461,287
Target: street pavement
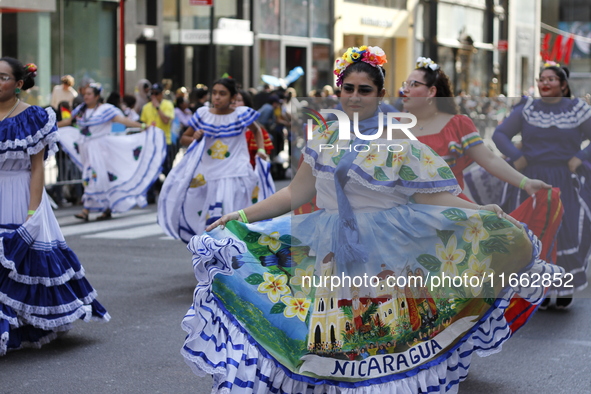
146,282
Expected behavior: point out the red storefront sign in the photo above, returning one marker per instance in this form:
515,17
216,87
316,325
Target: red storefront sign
201,2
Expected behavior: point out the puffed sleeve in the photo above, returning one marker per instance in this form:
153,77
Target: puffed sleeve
247,115
23,136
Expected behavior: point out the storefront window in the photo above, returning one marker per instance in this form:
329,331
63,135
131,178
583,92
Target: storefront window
94,55
296,18
269,60
320,19
321,66
269,20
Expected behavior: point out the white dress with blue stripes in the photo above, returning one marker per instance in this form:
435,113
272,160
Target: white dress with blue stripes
117,170
214,177
42,284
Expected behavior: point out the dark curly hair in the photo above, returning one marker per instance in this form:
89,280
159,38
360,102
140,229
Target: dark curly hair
445,97
562,73
19,72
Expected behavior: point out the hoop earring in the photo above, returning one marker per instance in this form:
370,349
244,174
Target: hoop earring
17,91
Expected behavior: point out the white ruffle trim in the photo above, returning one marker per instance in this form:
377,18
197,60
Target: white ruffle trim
21,307
35,280
215,344
569,119
39,140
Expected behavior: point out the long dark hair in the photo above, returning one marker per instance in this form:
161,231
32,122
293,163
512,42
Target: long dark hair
246,98
229,84
562,73
20,73
444,97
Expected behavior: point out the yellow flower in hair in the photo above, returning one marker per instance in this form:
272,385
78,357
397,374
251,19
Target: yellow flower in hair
363,48
355,56
348,55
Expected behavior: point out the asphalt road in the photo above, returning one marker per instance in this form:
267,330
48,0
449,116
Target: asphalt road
146,283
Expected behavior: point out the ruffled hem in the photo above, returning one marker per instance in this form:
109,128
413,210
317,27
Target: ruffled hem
73,271
25,144
218,344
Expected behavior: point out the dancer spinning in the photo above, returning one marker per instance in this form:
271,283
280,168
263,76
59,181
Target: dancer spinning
268,324
117,170
428,96
552,129
214,177
42,284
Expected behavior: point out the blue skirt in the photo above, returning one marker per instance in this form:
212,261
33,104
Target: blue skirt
574,235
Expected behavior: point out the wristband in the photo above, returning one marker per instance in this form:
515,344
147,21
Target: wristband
261,150
243,216
30,212
523,182
143,126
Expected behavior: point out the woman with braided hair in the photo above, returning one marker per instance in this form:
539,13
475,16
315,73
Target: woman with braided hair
42,284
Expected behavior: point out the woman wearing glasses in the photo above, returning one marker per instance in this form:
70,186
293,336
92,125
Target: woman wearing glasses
552,130
428,95
116,170
42,285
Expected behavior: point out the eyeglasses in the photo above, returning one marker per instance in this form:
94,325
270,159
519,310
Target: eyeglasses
547,79
5,78
412,84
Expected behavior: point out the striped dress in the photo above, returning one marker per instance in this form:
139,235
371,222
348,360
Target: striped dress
215,176
117,170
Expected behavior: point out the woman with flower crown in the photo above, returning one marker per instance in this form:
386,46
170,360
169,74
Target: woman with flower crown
552,129
428,95
297,300
42,285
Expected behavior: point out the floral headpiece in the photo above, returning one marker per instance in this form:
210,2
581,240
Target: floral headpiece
551,63
426,62
373,56
31,68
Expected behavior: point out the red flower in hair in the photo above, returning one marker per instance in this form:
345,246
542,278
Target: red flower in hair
31,68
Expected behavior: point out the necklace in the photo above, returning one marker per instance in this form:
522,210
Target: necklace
431,121
12,109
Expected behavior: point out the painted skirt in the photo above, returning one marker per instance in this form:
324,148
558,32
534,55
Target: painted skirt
274,312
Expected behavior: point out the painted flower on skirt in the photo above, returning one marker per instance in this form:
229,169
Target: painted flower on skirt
274,286
474,231
218,150
271,240
480,269
199,180
450,256
297,305
298,278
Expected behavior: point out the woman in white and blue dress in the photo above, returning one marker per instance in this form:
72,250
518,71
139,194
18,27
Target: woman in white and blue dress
215,176
42,284
263,321
117,170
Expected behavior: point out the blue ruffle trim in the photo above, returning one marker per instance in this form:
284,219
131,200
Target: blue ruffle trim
28,133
